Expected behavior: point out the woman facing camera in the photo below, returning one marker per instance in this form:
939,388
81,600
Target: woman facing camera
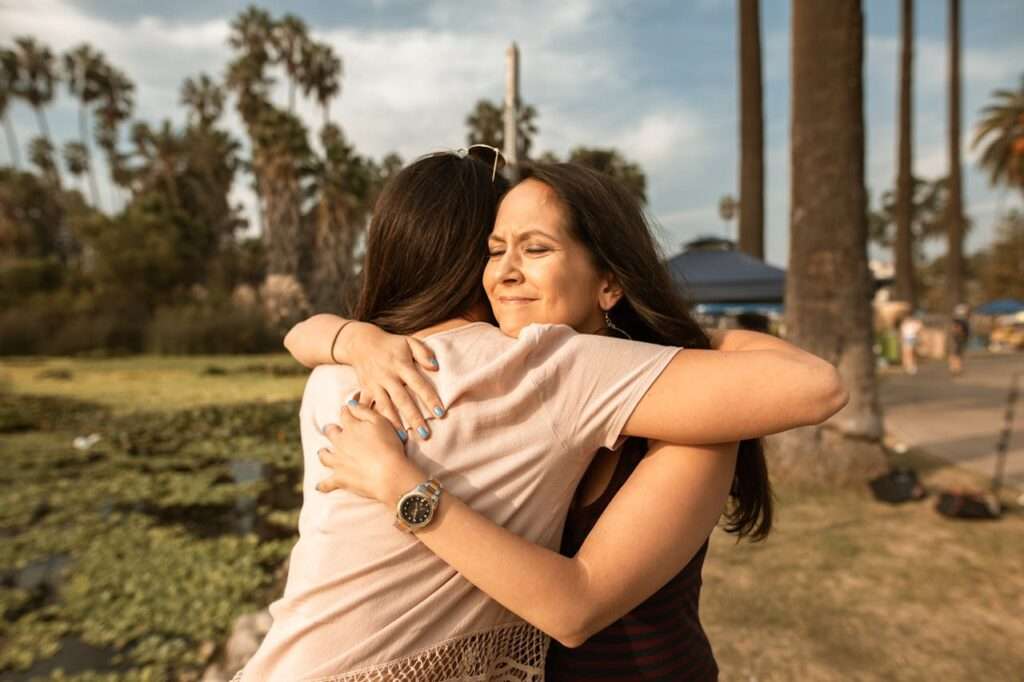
485,492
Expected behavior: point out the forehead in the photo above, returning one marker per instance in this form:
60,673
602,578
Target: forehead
530,205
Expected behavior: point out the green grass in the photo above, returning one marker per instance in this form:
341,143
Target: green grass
147,383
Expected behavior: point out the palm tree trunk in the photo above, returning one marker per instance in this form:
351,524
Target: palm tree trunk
828,284
83,133
954,217
44,128
12,142
751,132
903,289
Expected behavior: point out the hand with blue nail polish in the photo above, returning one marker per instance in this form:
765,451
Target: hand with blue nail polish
392,371
367,459
424,432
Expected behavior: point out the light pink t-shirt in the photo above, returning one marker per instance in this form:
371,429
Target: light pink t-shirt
366,601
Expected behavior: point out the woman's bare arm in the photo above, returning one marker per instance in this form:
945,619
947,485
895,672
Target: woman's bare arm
389,366
753,386
650,531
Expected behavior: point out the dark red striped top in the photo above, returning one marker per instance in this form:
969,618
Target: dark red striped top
662,639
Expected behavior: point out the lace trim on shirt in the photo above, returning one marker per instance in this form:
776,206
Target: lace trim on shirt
511,653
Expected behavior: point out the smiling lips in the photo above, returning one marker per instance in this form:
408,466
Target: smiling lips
515,300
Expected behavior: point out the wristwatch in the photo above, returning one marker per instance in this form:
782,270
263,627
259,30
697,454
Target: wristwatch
416,508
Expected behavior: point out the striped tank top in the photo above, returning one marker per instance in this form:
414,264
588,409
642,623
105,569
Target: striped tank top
662,638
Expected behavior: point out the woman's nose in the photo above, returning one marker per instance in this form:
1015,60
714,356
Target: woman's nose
509,272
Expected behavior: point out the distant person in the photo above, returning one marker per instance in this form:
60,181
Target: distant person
910,329
959,332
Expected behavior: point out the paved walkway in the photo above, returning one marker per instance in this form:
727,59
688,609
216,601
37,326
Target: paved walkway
958,419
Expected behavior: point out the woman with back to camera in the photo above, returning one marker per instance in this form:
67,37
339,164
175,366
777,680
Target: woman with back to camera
632,586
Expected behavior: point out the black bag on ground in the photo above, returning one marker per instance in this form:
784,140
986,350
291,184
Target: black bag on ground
968,506
897,485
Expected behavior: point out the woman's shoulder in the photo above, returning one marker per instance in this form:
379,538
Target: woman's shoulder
329,383
561,338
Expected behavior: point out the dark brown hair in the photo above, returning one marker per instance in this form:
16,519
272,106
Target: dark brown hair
427,244
609,221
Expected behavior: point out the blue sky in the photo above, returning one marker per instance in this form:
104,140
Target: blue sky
655,79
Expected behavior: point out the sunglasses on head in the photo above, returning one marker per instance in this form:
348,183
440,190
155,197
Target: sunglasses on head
489,155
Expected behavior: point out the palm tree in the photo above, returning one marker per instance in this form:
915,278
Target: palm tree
115,105
1001,131
611,162
8,80
204,100
486,125
252,37
290,38
928,210
955,218
751,131
903,287
342,185
37,76
76,158
83,72
828,285
160,154
41,154
323,76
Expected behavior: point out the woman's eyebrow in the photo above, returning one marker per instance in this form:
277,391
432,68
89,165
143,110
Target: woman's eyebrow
537,233
521,236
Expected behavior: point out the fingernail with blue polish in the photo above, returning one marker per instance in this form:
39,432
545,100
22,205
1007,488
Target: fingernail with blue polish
353,402
439,411
423,431
433,361
402,435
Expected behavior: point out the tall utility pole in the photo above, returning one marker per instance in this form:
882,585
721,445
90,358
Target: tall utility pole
511,150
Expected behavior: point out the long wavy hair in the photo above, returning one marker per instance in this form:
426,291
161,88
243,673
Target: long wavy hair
609,221
426,247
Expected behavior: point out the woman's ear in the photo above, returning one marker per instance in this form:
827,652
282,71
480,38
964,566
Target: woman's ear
610,292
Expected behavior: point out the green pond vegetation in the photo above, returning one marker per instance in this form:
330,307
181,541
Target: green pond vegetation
130,559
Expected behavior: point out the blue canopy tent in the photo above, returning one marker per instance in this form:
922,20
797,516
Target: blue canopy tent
1002,306
719,278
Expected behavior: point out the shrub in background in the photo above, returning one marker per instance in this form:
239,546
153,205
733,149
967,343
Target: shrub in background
196,328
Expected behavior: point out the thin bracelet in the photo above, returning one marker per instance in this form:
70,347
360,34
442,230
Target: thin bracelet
333,342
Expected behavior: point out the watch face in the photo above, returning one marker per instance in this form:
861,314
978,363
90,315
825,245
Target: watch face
416,509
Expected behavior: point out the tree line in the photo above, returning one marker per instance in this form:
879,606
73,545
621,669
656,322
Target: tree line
162,262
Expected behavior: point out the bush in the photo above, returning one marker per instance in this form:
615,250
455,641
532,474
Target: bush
24,330
22,277
210,329
58,324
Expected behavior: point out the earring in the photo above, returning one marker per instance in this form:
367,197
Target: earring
613,328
